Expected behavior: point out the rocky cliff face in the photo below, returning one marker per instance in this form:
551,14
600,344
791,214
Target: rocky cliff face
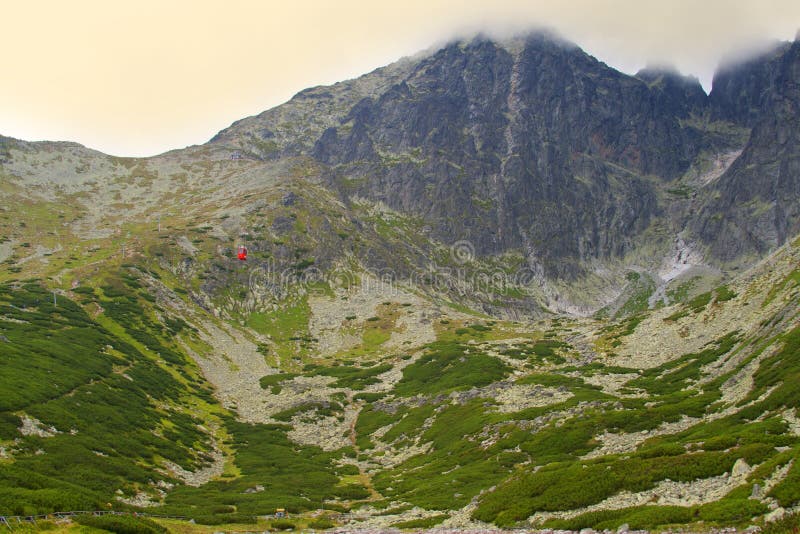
532,145
679,96
754,206
741,90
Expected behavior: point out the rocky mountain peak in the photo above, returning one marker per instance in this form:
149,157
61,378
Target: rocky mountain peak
509,131
681,95
502,141
754,206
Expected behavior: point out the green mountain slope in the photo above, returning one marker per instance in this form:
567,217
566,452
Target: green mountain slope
670,417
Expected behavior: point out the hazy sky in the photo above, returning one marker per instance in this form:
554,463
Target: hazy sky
143,77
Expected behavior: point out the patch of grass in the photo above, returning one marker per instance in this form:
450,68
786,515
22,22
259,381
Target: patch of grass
299,477
639,518
781,368
682,191
640,287
789,524
456,468
787,491
732,510
319,409
356,378
425,522
539,351
675,375
679,292
565,486
272,382
321,524
369,420
723,293
373,338
115,393
614,332
792,280
694,306
282,524
450,366
408,423
351,492
287,327
121,524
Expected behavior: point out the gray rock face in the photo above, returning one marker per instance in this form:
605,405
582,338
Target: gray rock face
680,96
755,205
541,148
741,90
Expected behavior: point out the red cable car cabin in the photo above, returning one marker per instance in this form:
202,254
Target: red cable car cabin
241,252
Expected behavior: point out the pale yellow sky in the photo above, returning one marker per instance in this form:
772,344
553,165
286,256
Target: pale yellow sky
140,78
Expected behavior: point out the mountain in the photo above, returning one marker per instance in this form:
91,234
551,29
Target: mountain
531,145
534,146
497,282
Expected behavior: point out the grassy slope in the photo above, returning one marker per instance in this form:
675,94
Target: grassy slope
116,402
122,398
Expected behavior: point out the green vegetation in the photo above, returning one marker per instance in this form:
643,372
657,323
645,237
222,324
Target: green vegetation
299,477
613,333
640,288
787,492
680,292
565,486
287,327
682,191
282,524
456,468
369,420
121,524
449,366
725,512
694,306
676,375
539,352
789,524
100,397
320,409
96,392
641,517
321,524
272,382
356,378
723,293
426,522
790,281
